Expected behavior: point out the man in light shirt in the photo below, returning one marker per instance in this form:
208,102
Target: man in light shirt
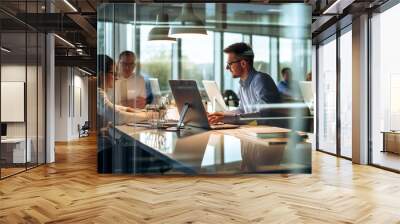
131,88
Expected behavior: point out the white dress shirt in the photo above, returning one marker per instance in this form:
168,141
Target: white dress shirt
129,88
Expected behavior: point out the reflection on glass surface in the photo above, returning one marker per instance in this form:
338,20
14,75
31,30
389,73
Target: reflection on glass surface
155,58
133,140
217,153
232,148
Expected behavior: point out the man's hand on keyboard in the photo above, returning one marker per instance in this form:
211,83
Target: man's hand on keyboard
215,118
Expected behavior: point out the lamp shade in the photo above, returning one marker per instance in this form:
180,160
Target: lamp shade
161,30
189,24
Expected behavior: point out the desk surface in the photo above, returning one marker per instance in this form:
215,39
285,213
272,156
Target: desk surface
231,151
13,140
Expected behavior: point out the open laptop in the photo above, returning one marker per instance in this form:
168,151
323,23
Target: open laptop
190,105
155,87
306,89
307,92
215,95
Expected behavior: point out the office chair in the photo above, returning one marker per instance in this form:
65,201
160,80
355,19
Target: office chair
84,130
231,98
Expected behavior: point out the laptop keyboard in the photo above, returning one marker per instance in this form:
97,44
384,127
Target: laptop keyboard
223,126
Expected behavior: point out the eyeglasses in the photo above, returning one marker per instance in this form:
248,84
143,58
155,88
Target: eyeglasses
128,64
229,64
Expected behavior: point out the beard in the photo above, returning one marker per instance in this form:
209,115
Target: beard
235,75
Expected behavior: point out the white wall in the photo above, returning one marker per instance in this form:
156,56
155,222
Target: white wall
33,127
71,102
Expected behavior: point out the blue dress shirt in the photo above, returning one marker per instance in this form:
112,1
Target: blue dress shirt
256,91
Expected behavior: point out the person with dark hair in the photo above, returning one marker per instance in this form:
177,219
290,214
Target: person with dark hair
309,77
256,88
288,87
110,114
131,88
108,110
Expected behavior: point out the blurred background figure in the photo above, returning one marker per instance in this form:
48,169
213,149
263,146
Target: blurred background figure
308,76
288,87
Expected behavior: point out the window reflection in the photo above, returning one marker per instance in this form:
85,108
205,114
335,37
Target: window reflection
198,58
155,58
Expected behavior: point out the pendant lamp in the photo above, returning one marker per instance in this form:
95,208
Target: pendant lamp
189,25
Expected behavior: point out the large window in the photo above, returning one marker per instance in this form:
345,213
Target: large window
262,52
346,94
285,52
138,27
22,65
155,58
327,96
385,84
198,58
229,82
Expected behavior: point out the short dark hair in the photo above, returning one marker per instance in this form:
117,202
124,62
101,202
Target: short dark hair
284,70
104,64
242,51
127,53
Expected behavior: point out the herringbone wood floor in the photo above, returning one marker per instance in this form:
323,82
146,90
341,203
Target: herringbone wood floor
70,191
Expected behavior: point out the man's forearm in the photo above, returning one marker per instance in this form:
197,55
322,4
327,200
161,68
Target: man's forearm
243,118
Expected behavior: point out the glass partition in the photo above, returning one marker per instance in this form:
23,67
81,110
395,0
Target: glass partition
22,88
14,148
193,88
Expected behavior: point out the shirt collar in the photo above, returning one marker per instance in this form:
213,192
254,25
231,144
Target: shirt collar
246,83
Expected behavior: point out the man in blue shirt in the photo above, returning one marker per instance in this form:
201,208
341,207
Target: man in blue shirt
256,88
287,87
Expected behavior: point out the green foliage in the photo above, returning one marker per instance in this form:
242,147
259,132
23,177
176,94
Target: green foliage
159,67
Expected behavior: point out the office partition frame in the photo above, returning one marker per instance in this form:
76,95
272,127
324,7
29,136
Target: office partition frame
40,40
178,51
338,33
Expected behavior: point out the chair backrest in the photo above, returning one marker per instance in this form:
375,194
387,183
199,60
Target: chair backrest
86,125
230,98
